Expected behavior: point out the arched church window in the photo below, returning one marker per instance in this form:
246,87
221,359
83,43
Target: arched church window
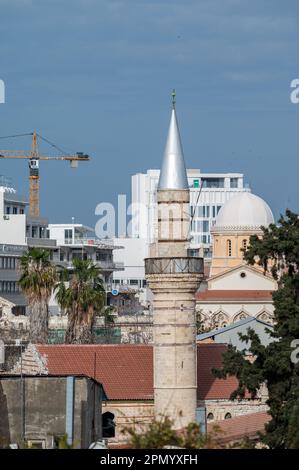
244,244
227,416
210,417
229,247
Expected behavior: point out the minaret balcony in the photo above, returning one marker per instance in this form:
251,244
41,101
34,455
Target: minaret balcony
188,265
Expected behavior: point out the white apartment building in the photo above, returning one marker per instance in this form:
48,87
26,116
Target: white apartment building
17,233
78,241
131,258
208,193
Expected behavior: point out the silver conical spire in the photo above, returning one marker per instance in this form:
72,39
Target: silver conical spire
173,172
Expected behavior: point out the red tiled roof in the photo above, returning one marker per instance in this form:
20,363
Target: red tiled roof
240,427
126,370
226,295
209,356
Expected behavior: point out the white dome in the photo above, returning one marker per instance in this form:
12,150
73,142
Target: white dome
244,211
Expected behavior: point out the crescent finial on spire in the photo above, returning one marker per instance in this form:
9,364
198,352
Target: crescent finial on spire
173,98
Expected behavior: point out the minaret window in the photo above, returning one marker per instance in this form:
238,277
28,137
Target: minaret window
229,247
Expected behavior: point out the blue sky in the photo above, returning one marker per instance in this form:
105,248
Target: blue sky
96,76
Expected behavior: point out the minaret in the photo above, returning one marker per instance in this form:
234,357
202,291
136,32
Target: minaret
173,277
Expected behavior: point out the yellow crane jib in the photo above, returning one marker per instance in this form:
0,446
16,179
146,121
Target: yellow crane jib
33,162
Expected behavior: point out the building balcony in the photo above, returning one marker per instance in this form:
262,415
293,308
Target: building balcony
41,242
119,266
91,242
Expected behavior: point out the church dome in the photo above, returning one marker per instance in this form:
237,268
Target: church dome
244,211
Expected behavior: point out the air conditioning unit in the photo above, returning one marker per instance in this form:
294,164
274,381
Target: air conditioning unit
6,217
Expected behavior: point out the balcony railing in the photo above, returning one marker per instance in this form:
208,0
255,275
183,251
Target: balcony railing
41,242
87,241
174,265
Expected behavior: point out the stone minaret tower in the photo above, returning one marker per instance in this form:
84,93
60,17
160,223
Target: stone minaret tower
174,277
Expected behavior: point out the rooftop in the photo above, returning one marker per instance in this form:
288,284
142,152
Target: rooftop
240,427
126,370
232,326
234,295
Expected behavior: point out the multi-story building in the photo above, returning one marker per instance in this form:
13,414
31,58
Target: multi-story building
17,232
208,193
77,241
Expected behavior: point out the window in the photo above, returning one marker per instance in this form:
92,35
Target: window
133,282
210,417
234,182
205,226
102,256
7,210
244,244
229,247
36,444
68,236
243,274
34,231
213,182
21,211
227,416
218,209
14,210
203,211
42,232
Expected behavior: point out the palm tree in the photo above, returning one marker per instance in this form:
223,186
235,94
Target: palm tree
38,278
80,293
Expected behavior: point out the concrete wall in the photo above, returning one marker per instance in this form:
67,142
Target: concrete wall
130,414
220,408
138,414
132,255
45,410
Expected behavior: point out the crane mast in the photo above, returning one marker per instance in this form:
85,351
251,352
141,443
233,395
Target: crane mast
34,179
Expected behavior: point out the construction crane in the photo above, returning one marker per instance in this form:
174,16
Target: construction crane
33,161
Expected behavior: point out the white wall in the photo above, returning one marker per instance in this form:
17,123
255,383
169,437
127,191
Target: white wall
132,255
12,226
234,281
